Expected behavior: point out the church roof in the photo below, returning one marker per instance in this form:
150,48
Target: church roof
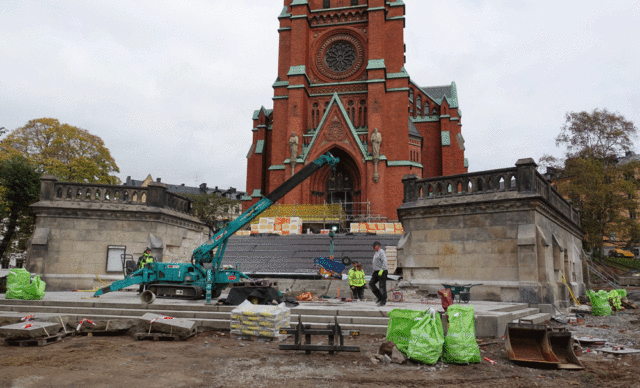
413,131
439,93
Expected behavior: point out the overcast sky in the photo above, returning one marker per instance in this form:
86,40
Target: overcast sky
171,86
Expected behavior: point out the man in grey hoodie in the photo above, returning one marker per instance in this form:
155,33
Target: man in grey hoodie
379,275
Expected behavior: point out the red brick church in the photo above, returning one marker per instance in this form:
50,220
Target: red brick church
342,88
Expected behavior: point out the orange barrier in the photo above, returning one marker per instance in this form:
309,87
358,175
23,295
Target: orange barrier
377,228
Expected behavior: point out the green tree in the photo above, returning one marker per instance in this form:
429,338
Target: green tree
19,188
590,175
67,152
599,134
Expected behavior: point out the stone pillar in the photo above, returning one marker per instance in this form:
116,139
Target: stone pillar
526,175
156,193
409,182
47,191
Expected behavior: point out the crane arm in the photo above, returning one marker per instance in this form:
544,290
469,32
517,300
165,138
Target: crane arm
202,254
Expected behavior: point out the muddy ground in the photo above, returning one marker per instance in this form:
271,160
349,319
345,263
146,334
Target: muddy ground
213,359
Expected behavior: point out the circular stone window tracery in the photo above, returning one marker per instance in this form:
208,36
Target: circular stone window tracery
340,56
335,132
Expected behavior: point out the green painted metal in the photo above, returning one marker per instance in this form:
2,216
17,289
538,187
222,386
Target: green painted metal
446,138
259,146
376,64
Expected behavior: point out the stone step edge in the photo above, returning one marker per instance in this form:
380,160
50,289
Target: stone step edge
306,310
224,324
536,318
342,319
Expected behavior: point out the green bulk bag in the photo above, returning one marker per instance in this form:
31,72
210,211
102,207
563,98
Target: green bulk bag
34,291
17,279
599,303
401,321
427,339
460,346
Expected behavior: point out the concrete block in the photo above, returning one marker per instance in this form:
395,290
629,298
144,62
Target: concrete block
27,330
108,325
159,323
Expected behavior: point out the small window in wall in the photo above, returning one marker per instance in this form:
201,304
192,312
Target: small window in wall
326,4
354,2
114,258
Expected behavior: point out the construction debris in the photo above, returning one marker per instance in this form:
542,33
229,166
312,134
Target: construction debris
103,327
156,323
29,330
42,341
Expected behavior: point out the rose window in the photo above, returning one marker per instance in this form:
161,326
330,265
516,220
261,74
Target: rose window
340,56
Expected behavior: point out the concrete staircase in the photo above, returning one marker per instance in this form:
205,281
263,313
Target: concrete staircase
491,319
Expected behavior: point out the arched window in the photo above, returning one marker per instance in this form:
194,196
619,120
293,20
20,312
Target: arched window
411,95
434,112
352,112
419,106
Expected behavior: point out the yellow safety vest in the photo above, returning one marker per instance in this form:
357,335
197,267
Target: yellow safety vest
146,258
356,278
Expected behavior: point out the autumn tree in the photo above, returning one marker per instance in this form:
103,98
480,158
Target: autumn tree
590,175
211,209
19,188
67,152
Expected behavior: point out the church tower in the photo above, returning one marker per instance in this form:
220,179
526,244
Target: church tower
342,88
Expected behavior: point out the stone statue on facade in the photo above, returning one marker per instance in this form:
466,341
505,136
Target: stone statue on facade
293,147
376,139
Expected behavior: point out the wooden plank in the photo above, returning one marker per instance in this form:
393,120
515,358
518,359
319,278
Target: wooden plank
42,341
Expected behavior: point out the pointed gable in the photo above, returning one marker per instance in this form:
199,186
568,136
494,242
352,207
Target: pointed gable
328,132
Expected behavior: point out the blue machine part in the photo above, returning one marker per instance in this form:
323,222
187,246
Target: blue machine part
331,265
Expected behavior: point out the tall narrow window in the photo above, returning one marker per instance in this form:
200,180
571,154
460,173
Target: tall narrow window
326,4
315,114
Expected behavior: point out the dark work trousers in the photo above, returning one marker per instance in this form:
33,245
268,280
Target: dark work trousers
381,293
358,292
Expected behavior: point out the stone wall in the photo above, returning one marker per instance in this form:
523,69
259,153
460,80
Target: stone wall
507,229
76,224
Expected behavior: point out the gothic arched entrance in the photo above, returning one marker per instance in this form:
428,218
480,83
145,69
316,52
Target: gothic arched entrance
341,185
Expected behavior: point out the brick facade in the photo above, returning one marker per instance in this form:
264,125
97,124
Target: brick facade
340,76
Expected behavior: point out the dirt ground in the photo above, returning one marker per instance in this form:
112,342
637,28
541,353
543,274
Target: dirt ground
213,359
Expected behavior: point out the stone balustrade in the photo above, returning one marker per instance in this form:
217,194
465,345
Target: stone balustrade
523,179
155,194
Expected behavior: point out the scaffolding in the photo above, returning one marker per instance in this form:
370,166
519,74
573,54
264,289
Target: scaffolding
340,214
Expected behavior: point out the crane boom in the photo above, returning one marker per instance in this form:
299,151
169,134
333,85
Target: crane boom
180,279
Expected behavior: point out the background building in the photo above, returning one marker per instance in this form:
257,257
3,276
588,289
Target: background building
341,77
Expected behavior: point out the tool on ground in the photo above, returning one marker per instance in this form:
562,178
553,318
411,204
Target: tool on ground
204,276
528,344
562,346
333,332
564,280
462,291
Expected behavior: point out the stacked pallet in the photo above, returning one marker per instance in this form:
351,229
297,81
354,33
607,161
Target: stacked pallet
377,227
279,225
392,258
